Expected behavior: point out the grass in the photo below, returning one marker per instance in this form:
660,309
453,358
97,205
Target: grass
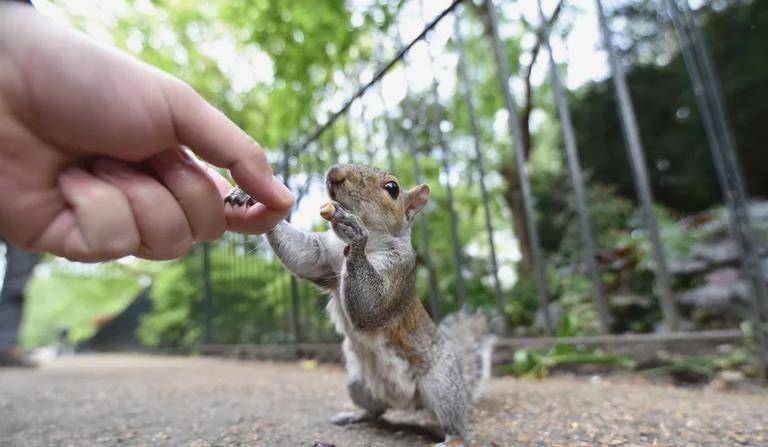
538,363
704,366
66,298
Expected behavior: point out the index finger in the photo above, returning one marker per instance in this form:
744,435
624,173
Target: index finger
210,134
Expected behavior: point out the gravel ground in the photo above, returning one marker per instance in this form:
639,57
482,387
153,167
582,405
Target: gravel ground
140,400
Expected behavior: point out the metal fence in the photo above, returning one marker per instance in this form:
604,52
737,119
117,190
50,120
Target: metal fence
293,310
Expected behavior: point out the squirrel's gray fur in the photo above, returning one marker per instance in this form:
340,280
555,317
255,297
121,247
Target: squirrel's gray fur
395,356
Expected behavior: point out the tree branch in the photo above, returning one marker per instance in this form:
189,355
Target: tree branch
525,115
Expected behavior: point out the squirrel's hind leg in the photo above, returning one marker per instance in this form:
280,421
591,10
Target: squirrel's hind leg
445,396
352,417
450,441
361,396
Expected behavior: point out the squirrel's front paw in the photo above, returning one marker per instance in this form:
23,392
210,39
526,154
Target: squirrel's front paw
349,227
238,197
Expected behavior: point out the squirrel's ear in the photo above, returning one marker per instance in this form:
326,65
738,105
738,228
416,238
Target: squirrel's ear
417,198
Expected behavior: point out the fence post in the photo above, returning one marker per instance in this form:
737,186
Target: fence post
577,180
391,165
640,173
388,138
706,87
740,194
480,163
502,66
434,308
370,152
207,292
437,133
426,246
293,282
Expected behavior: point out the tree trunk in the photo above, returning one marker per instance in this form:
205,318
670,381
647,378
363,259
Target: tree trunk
19,265
513,195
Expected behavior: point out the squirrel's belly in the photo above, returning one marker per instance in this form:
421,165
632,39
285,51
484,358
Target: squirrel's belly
386,373
372,358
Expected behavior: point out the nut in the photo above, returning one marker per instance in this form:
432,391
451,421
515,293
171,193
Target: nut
327,210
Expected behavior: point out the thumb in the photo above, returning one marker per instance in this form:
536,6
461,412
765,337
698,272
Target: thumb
210,134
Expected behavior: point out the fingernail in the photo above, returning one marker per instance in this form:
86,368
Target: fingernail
283,192
186,156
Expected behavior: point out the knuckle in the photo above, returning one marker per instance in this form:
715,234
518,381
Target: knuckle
254,158
197,187
211,232
166,245
118,246
196,191
180,248
256,154
253,146
144,194
185,91
98,194
173,245
178,237
79,256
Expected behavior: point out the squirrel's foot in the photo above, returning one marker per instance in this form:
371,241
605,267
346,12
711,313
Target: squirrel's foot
238,197
350,417
451,441
349,227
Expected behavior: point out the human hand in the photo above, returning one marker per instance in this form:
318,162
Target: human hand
93,158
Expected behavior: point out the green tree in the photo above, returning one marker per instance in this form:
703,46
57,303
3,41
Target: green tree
681,168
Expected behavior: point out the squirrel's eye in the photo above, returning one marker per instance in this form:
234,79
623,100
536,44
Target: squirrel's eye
392,189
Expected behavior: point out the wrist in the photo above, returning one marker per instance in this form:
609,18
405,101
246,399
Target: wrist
357,248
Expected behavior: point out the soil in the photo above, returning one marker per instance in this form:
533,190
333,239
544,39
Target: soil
144,400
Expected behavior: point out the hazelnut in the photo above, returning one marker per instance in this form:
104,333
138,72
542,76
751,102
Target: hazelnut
327,210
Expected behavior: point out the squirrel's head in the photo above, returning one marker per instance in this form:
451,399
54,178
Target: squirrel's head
376,197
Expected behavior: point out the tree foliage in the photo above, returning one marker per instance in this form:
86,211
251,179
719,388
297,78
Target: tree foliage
681,168
278,68
74,298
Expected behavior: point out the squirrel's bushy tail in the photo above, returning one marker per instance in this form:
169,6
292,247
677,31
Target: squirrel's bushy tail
471,335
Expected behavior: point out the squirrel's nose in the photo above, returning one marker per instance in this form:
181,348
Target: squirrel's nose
336,174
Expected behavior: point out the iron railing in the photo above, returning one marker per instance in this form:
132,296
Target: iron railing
306,158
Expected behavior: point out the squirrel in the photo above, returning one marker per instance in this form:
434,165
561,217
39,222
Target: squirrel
395,356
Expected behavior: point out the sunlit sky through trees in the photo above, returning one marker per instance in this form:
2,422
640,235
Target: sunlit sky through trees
247,67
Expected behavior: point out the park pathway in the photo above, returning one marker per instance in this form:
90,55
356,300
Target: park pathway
140,400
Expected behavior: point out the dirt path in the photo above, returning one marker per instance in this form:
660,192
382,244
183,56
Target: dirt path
145,400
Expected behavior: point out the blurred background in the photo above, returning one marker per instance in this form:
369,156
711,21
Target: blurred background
290,73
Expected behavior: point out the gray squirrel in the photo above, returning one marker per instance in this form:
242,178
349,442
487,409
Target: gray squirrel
395,355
